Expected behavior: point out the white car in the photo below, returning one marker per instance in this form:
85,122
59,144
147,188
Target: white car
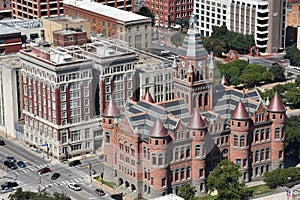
74,186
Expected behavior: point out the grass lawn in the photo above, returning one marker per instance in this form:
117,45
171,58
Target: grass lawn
109,184
261,189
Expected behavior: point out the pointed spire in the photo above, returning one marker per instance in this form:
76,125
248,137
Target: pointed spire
224,81
240,112
174,65
267,101
212,63
111,109
196,121
190,68
148,97
276,104
158,129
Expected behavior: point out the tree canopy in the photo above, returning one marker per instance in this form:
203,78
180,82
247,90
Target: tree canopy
293,54
225,179
279,177
19,194
186,191
292,136
145,11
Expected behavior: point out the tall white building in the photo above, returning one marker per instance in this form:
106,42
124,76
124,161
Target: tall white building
265,19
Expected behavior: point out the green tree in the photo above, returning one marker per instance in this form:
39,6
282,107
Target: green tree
292,136
293,53
215,45
145,11
187,191
278,72
225,179
279,177
19,194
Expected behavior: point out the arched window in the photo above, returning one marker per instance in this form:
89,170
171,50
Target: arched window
107,137
197,151
182,153
176,154
153,159
182,173
267,134
262,154
206,99
160,159
235,140
200,101
188,152
277,131
256,156
267,154
188,172
242,141
262,134
256,136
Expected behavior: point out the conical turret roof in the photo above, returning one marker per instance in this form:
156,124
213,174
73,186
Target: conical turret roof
240,112
148,97
158,129
111,109
276,104
224,81
212,63
196,121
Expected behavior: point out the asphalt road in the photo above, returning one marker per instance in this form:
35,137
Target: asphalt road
28,178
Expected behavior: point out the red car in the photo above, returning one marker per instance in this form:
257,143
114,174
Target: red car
44,170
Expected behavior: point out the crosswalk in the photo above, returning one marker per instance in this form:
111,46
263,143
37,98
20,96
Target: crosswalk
60,183
29,169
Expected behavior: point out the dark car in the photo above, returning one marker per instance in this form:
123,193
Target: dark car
11,158
2,143
74,163
9,185
21,164
55,176
10,165
44,170
117,196
99,192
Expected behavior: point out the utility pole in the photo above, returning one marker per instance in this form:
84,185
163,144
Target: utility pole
47,151
90,168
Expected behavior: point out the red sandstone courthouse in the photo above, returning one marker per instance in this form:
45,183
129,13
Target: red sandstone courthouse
154,148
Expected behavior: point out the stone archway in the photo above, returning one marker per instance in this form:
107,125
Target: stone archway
126,184
121,181
133,188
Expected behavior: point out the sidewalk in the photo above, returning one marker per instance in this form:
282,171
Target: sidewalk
255,183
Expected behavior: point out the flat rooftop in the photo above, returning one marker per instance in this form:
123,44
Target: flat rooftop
65,19
108,11
19,24
5,29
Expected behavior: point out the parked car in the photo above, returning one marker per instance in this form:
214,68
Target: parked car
21,164
6,189
55,176
74,186
9,184
162,44
117,196
2,143
99,192
44,170
11,158
74,163
10,165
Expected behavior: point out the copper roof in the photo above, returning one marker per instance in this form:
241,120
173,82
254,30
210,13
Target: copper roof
158,129
148,97
240,112
276,104
111,110
196,121
224,81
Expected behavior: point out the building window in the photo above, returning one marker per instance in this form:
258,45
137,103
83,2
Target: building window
267,154
163,182
176,174
107,137
176,154
238,162
160,159
276,133
188,152
267,134
256,136
256,156
262,134
235,140
201,173
182,174
188,172
244,162
182,153
145,152
242,141
280,154
197,151
262,154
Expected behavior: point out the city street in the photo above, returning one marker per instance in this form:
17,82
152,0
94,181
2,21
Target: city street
28,178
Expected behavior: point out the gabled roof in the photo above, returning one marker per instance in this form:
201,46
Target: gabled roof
276,104
196,121
240,112
148,97
158,129
111,109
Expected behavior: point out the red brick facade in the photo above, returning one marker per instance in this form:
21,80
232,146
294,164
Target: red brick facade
10,43
69,37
